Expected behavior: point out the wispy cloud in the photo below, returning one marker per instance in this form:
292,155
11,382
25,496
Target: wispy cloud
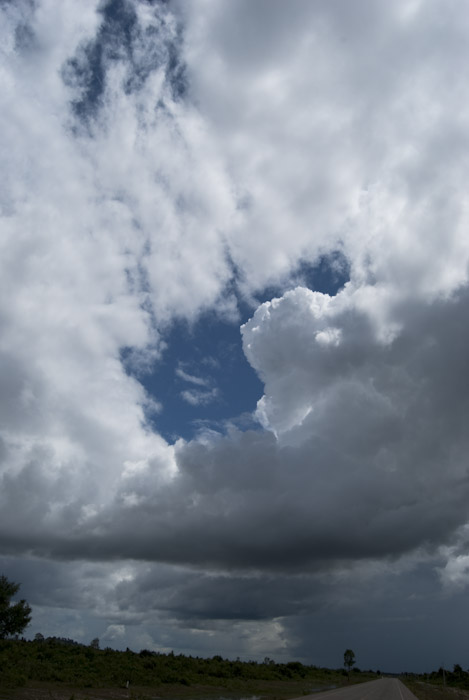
191,378
199,398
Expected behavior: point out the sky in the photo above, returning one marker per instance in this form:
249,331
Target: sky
234,381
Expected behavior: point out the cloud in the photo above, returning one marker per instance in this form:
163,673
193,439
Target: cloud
347,133
114,632
86,216
367,460
199,398
191,378
164,161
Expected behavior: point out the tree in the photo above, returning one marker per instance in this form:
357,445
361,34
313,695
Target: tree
457,670
349,660
14,617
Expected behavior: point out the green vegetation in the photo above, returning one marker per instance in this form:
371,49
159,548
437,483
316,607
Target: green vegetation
64,663
439,685
61,665
14,617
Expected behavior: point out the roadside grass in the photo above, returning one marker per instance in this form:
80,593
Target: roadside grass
429,691
54,669
267,690
249,690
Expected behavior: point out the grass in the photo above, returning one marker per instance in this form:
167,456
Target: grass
430,691
63,670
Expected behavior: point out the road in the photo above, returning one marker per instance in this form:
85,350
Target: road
382,689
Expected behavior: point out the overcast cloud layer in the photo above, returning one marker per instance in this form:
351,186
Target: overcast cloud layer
167,160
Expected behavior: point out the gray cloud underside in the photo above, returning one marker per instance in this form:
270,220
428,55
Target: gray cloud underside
376,468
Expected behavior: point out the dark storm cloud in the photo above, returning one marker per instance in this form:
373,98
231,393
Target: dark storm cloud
320,615
193,595
393,622
379,468
376,468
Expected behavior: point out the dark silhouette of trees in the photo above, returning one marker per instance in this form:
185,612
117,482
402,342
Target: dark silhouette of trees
349,660
14,617
457,671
